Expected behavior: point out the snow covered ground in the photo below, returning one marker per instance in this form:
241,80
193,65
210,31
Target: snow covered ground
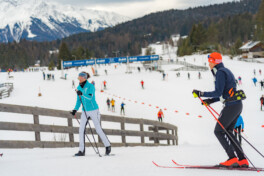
131,161
197,143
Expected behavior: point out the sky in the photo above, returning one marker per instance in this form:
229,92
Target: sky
138,8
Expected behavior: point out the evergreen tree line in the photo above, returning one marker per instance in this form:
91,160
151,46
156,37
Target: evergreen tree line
128,38
226,35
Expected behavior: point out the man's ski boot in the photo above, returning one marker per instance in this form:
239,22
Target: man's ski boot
232,163
80,154
243,163
107,150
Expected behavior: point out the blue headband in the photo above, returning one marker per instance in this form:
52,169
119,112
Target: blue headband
84,75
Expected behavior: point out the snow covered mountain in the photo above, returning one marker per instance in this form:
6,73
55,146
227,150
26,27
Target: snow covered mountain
44,21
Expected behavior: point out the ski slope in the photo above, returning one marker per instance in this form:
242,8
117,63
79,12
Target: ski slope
197,143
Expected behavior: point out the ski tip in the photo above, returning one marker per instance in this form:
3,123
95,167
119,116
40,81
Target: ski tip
174,162
154,163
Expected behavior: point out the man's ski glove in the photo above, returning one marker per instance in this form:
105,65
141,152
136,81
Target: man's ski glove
73,112
197,93
207,102
79,93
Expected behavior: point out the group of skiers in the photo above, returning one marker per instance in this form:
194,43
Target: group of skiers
225,91
49,76
111,106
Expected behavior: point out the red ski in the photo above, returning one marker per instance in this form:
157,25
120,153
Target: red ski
178,166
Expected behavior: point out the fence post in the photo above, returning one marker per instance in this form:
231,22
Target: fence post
173,141
123,133
36,122
142,130
168,141
156,130
176,134
71,136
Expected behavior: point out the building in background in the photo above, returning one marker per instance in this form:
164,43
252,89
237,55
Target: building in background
252,49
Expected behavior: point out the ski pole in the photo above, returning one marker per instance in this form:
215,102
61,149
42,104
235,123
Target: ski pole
90,126
228,134
240,135
86,136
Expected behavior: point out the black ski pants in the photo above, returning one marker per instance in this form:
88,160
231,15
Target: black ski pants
228,119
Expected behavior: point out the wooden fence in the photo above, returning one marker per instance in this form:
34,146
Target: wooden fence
7,91
156,131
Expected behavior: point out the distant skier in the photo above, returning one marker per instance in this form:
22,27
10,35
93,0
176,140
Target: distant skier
87,93
105,72
255,81
122,108
113,105
138,69
261,84
160,115
142,84
53,77
260,71
239,127
254,71
189,75
73,84
44,75
104,84
261,102
199,75
239,80
93,83
108,104
225,87
163,76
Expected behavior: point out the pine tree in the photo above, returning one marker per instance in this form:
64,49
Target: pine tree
51,65
64,54
259,31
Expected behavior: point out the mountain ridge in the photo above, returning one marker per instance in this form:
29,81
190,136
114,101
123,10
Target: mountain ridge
45,21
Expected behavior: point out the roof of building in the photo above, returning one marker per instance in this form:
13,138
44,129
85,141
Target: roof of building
249,45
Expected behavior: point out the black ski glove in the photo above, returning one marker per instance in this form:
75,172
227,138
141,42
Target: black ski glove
207,102
73,112
79,93
197,93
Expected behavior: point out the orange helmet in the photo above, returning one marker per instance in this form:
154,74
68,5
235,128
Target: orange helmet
215,58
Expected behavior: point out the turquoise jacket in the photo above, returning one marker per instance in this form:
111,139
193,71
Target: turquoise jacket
88,98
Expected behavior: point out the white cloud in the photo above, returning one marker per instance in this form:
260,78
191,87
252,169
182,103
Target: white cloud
138,8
